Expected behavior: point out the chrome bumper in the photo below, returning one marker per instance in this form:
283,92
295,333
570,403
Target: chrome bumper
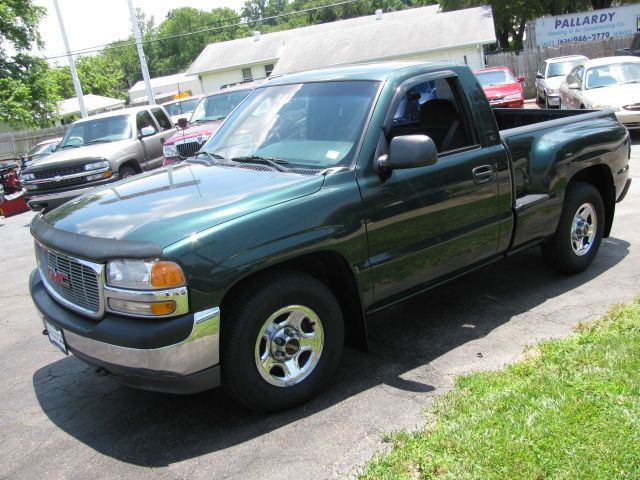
199,351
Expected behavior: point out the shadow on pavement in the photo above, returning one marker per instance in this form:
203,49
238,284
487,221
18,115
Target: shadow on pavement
152,429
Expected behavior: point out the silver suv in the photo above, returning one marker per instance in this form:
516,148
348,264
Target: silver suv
97,150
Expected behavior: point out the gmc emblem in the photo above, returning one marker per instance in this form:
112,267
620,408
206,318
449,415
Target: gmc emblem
58,278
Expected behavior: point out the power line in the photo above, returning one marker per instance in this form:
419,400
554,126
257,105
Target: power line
125,44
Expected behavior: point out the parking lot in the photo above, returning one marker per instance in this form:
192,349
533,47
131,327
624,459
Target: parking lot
61,420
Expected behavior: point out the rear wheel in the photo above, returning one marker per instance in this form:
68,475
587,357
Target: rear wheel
579,233
281,341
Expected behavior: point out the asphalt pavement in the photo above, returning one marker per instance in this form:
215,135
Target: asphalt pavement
59,420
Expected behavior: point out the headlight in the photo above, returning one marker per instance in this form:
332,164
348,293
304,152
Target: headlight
170,151
96,165
28,176
552,91
144,275
513,96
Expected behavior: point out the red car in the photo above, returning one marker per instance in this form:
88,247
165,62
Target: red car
205,121
503,89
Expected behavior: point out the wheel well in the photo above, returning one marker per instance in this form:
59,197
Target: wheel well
600,177
131,163
332,270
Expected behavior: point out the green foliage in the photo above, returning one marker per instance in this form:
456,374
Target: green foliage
570,410
26,94
97,74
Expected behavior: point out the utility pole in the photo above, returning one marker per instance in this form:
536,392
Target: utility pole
143,60
72,65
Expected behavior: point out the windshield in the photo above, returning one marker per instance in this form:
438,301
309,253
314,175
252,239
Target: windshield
100,130
562,69
314,125
215,107
495,77
610,75
43,148
181,107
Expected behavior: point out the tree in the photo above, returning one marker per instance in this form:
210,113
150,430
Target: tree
97,75
27,96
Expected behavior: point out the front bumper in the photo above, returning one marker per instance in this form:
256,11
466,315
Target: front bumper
553,100
177,355
630,119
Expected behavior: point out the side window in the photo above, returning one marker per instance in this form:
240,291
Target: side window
542,69
143,119
161,117
435,108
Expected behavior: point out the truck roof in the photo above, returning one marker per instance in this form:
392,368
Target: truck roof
114,113
363,71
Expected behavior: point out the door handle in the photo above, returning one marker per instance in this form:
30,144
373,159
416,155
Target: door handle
482,174
162,140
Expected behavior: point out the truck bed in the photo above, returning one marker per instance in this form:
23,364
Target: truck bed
509,118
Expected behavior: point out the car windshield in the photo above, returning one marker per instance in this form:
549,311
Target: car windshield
215,107
181,107
610,75
495,77
315,125
99,130
42,148
562,69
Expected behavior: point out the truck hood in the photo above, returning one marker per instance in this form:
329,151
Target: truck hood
73,156
169,204
195,131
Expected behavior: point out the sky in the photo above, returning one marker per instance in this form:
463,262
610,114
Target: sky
91,23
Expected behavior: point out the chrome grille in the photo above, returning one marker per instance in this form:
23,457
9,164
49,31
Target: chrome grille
188,149
62,182
78,284
58,172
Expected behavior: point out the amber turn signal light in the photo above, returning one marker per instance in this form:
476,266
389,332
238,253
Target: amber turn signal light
166,274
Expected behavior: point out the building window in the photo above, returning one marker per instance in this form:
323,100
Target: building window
247,76
268,69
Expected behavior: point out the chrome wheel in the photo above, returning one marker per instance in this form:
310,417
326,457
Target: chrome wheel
289,345
583,229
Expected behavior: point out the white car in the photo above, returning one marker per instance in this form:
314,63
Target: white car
551,74
181,108
608,82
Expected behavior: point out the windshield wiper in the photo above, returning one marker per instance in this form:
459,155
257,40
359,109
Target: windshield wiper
630,81
272,162
99,140
212,157
74,145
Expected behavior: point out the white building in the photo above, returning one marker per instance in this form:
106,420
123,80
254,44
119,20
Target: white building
165,88
415,34
69,109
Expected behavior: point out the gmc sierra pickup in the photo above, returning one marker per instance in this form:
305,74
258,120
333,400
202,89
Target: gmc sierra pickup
325,196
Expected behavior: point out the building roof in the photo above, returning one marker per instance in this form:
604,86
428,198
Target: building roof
355,40
92,103
165,81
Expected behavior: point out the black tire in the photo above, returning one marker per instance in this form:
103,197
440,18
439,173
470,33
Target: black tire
546,102
244,375
561,251
126,171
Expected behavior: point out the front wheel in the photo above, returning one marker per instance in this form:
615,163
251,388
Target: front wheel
281,341
126,171
579,233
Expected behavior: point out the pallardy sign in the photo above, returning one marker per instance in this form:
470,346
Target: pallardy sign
587,26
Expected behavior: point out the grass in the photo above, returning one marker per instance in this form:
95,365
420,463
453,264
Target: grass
569,410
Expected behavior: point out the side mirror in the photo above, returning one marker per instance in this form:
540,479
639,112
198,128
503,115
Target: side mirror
520,79
539,75
573,86
147,131
183,123
409,151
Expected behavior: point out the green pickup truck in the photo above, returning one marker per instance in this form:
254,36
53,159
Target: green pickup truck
325,196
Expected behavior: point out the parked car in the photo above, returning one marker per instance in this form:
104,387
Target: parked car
551,74
10,176
95,151
310,208
502,88
204,122
181,108
633,49
608,82
41,150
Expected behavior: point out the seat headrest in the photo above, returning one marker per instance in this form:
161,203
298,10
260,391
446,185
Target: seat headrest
437,113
